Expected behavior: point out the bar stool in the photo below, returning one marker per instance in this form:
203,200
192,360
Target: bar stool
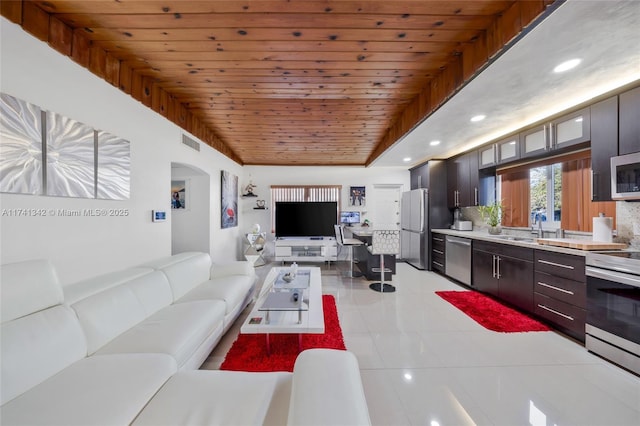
350,243
384,242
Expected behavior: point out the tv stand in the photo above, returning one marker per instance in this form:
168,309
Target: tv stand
313,249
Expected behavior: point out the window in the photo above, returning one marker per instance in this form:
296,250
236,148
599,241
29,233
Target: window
545,197
556,190
303,193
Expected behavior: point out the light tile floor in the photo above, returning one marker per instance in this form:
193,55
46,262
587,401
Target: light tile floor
423,362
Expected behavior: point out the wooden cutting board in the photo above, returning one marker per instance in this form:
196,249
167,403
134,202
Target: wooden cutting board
580,244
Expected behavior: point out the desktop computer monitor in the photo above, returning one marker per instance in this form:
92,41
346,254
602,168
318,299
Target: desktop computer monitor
349,218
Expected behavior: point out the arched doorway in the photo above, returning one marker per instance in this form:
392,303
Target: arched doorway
191,215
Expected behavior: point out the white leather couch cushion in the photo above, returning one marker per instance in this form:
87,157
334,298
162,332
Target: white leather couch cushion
37,346
39,337
220,398
88,287
327,390
184,271
108,314
232,289
28,287
98,390
177,330
239,267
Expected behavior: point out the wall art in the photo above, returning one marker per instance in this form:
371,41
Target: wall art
229,200
70,157
357,196
45,153
178,194
21,155
114,163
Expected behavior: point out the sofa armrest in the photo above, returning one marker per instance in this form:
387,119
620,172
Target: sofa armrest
239,267
327,390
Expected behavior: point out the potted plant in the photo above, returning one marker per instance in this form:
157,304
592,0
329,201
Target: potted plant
492,215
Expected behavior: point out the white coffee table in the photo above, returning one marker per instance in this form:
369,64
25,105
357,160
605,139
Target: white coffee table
281,314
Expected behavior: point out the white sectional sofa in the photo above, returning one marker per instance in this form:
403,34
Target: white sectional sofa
123,348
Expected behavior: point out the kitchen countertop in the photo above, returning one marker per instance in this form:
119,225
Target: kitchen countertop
503,239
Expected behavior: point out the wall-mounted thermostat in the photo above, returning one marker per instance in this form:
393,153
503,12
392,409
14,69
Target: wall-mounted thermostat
158,215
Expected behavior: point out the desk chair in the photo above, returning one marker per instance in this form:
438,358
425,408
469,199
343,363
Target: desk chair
350,243
384,242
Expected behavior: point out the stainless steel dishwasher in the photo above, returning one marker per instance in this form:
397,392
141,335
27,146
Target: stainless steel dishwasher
458,259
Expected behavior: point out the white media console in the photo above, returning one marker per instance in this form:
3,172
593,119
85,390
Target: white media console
306,250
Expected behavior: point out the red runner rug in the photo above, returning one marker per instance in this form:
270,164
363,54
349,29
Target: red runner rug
249,351
491,314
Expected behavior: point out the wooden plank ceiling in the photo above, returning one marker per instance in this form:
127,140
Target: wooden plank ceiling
275,82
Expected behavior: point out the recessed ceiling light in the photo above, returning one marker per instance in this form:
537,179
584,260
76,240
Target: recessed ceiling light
567,65
406,159
478,118
434,143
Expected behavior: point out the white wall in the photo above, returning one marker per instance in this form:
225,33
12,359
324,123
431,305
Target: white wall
81,247
264,177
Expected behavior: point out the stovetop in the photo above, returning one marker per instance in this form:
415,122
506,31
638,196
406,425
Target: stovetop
624,261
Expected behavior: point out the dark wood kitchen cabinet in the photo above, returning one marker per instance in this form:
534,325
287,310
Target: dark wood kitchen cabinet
419,176
463,180
629,122
504,271
560,291
604,145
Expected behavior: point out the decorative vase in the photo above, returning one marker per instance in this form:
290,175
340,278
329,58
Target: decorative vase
495,230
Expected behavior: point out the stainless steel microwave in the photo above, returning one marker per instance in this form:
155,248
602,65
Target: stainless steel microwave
625,177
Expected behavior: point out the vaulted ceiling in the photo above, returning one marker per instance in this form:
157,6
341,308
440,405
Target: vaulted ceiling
275,82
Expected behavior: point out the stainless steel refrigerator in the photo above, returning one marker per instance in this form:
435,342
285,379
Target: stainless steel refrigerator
415,226
424,209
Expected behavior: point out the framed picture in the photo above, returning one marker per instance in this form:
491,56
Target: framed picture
178,194
229,200
357,196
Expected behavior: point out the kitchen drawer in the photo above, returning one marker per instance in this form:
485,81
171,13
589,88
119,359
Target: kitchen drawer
438,253
563,289
438,256
437,241
560,265
500,249
437,264
568,318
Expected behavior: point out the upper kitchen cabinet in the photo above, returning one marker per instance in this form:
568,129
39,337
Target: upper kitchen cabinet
419,176
487,156
534,141
501,152
463,181
604,145
508,149
566,131
571,129
629,124
468,186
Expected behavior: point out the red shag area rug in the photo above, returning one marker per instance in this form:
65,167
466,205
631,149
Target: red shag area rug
249,351
490,313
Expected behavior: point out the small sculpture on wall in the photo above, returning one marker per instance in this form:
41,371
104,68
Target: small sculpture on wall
248,190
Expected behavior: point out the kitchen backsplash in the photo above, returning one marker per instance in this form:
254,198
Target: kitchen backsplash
627,224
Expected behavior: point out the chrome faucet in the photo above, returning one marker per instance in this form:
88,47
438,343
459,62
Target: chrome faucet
539,231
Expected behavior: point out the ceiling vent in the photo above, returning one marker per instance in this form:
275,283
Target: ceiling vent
186,140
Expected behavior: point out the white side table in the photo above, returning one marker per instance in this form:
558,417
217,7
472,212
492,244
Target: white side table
255,251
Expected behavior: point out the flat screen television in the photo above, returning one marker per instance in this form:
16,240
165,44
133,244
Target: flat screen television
349,218
306,219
